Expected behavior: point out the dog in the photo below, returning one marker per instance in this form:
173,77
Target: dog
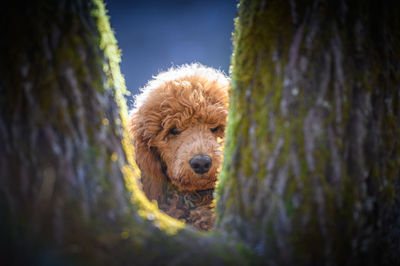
177,127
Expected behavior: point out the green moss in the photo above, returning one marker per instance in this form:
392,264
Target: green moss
115,82
251,62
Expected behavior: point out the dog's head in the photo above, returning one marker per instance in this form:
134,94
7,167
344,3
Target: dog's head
178,126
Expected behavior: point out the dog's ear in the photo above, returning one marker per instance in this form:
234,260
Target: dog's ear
147,157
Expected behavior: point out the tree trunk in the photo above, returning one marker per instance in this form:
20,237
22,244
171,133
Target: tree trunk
312,159
69,191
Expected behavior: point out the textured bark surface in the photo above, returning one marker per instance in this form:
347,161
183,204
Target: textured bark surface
312,160
67,192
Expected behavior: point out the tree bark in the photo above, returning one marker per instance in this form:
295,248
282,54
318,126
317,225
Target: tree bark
312,157
69,191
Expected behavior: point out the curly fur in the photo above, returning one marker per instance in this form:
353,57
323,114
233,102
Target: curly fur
179,114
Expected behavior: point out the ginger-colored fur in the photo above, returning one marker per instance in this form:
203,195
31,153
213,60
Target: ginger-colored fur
180,114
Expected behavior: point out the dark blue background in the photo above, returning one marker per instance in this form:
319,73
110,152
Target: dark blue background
155,35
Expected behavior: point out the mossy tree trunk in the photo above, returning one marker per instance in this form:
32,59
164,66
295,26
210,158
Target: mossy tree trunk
67,191
312,160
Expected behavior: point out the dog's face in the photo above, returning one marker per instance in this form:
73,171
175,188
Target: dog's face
191,148
179,132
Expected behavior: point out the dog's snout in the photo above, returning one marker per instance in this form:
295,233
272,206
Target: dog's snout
200,163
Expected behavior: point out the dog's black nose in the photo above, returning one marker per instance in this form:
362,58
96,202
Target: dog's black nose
200,163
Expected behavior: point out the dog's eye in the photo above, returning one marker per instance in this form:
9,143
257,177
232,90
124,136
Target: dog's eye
174,131
215,129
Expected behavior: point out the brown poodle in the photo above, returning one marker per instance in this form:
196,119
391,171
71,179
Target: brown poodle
178,128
